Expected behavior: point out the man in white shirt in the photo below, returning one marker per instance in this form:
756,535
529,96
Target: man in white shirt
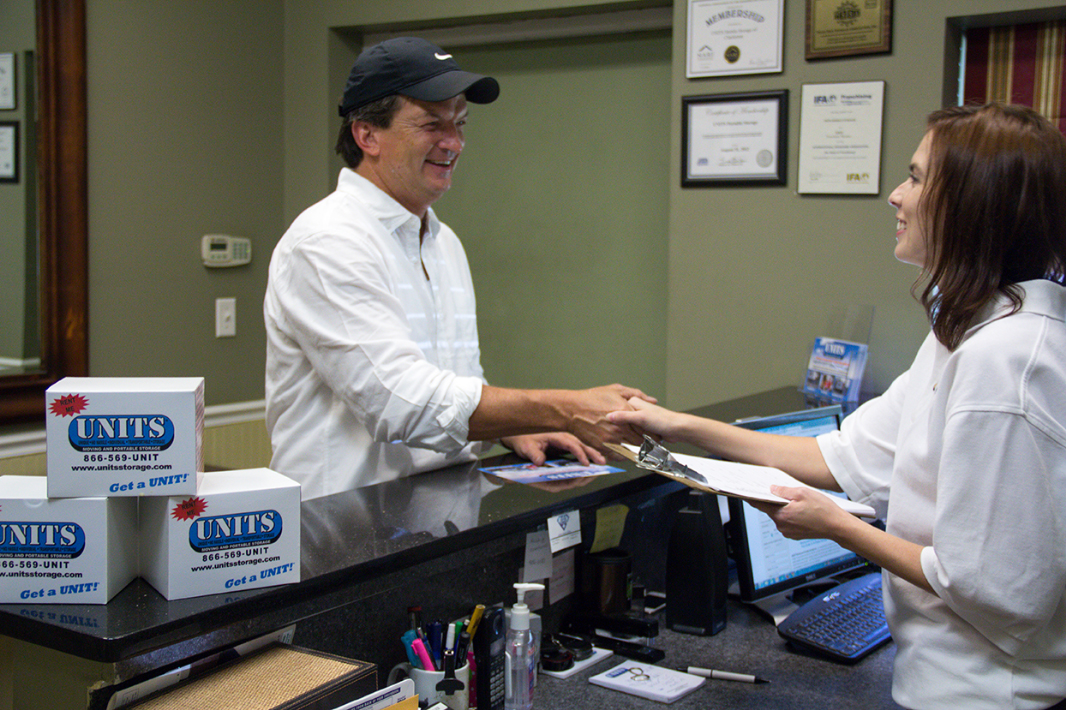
373,365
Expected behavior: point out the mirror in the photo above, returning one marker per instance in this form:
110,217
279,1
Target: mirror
62,210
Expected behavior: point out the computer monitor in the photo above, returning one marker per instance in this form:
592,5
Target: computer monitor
769,565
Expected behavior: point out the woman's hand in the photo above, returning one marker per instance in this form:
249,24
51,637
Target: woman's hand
809,514
651,419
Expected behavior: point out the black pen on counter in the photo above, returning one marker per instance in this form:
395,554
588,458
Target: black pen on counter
723,675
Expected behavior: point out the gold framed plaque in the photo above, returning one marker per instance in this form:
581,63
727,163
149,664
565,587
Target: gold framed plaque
841,28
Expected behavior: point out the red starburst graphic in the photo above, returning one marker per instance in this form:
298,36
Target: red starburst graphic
69,405
189,509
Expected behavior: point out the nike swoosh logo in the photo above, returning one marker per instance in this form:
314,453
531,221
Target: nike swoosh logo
442,57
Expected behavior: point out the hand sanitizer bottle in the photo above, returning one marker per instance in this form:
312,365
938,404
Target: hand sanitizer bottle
521,662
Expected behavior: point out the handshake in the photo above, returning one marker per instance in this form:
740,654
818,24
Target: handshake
581,422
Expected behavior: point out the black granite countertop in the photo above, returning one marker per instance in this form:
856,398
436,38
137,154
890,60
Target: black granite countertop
346,538
748,644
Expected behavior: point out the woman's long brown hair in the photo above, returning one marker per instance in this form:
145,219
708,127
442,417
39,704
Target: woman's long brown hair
993,211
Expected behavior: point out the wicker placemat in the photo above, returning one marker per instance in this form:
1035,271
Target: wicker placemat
258,682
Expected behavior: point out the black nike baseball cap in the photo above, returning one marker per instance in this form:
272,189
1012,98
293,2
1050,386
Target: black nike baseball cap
412,67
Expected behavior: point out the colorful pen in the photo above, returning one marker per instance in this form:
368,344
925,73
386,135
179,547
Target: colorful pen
423,655
408,637
474,619
723,675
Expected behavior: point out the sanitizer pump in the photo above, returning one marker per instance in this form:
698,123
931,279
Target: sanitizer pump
520,654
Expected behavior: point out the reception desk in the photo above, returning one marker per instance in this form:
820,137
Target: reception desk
444,540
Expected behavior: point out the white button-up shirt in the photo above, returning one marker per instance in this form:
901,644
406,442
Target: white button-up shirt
965,454
372,369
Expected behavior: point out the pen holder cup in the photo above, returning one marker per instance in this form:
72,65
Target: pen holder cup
426,683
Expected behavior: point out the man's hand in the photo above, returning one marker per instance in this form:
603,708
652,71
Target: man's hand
588,410
534,447
505,412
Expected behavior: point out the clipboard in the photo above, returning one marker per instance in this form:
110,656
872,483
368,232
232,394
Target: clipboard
727,478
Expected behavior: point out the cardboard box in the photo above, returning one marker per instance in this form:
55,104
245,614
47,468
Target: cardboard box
63,551
124,436
240,531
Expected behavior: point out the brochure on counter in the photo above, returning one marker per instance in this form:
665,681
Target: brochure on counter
554,470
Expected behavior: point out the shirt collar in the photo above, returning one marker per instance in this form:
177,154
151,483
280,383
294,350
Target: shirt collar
1039,297
393,216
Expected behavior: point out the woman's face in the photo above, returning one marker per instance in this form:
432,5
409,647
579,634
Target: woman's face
911,245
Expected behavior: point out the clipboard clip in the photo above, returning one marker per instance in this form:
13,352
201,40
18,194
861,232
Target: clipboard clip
655,457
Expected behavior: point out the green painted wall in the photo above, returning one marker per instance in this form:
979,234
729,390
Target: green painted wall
755,274
571,282
185,139
209,117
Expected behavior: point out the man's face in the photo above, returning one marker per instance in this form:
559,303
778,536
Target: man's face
416,155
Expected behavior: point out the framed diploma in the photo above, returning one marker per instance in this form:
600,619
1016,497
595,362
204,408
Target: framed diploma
734,139
840,138
7,81
839,28
734,37
9,151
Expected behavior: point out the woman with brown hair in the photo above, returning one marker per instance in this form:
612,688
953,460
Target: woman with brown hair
964,456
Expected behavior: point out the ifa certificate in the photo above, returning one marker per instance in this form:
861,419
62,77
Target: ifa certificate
734,37
840,138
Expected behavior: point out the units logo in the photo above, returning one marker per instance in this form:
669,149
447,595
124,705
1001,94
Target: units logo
54,540
141,432
224,532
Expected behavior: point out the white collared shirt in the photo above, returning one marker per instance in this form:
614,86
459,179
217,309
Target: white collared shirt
363,351
965,454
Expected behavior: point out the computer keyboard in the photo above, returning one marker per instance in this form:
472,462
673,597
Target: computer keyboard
846,623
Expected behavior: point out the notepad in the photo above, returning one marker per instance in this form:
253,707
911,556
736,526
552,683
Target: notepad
652,682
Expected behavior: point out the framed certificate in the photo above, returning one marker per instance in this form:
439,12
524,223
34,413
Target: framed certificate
840,28
7,81
734,37
734,139
840,138
9,151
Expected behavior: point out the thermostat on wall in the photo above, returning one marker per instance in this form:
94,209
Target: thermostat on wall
224,250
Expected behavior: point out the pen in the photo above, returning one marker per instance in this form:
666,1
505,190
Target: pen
423,655
414,614
435,632
408,637
460,647
474,619
449,644
723,675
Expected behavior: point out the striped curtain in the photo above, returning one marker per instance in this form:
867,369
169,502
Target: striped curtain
1020,64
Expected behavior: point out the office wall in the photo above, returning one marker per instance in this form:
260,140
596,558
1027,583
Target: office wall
207,116
185,139
756,273
753,274
18,325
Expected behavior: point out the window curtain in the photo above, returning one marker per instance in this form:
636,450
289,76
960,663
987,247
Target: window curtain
1020,64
